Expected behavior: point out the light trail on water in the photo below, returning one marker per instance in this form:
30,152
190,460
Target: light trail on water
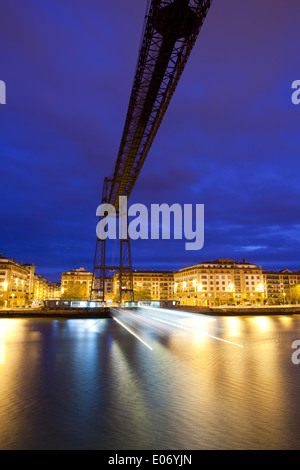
150,321
176,325
128,329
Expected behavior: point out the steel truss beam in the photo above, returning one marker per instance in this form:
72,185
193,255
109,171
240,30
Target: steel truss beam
170,31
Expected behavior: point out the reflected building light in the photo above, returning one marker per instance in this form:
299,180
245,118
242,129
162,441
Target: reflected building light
2,352
262,323
8,332
286,321
233,324
200,337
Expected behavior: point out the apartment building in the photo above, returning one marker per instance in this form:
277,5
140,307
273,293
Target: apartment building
109,289
219,282
76,284
150,285
53,291
45,290
30,281
13,283
20,286
277,284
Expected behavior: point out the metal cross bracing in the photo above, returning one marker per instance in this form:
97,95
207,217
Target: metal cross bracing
170,31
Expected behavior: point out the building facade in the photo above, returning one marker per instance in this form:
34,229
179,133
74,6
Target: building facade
149,285
53,291
77,283
13,284
220,282
21,287
278,284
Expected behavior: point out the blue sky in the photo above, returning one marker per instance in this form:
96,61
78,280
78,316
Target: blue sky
229,140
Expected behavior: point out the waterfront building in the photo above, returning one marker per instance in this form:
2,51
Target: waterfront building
14,283
277,284
30,281
76,284
149,284
223,281
53,291
21,287
40,289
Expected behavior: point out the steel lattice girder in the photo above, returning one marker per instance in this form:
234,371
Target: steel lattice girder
170,31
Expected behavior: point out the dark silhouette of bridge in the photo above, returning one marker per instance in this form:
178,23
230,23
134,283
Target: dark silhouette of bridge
170,31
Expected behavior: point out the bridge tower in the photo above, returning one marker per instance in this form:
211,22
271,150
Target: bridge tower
170,31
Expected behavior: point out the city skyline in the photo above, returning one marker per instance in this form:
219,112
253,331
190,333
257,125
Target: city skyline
229,139
208,283
149,268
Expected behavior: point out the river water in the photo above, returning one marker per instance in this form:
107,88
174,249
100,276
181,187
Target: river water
150,380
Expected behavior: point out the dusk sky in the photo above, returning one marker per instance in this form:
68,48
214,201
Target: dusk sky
230,138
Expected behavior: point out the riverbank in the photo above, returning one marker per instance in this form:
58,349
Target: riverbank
53,313
240,311
104,312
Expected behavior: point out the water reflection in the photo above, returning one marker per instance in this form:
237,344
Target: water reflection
92,384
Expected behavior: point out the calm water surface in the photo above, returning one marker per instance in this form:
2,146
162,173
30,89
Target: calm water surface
195,382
